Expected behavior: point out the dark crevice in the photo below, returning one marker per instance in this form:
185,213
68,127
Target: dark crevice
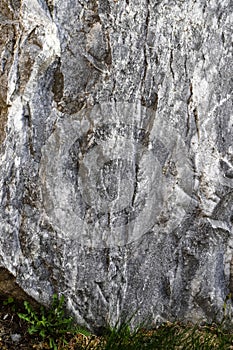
135,185
194,112
186,66
28,117
171,61
3,119
189,101
155,102
223,38
204,8
50,5
108,58
151,101
196,119
58,83
190,98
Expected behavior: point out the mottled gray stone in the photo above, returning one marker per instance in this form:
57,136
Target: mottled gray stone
100,177
116,155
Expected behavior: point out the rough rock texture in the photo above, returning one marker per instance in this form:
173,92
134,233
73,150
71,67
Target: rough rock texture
116,155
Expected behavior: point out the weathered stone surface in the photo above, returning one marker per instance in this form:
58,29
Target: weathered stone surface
116,161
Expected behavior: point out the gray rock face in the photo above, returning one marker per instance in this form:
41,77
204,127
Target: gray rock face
116,155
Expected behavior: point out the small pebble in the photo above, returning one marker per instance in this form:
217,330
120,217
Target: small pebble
15,337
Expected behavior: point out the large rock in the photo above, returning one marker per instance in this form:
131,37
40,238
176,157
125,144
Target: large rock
116,168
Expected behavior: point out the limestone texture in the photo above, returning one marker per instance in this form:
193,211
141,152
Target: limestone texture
116,156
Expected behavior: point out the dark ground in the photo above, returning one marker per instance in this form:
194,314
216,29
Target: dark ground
14,332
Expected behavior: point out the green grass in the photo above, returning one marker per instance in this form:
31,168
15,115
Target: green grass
167,337
51,329
50,324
